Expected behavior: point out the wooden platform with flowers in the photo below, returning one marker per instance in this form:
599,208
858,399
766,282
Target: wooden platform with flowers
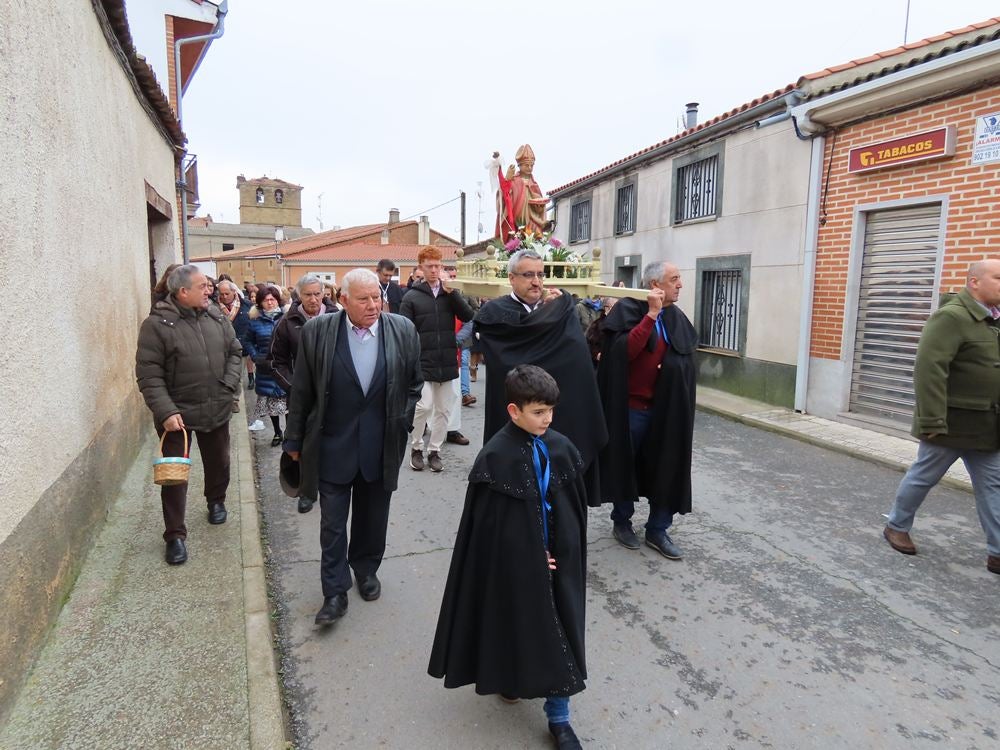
487,277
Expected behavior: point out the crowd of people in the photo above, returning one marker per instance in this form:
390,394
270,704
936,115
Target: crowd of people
587,403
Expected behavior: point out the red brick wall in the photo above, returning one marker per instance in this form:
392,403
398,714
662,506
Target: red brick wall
973,223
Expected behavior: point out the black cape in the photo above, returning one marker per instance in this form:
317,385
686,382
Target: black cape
550,337
662,470
508,623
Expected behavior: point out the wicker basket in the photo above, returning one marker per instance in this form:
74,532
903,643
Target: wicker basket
172,469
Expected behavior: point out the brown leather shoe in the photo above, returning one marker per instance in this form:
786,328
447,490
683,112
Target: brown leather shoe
468,399
993,564
901,542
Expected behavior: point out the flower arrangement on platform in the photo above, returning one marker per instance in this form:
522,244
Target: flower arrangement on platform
547,246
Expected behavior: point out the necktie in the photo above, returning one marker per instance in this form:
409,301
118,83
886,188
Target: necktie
538,451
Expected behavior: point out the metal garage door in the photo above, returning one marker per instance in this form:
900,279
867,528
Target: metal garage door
897,291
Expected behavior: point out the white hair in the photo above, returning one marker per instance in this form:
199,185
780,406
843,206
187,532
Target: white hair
654,272
230,285
359,277
181,278
520,255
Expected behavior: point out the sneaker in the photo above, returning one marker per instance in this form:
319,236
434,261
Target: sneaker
456,437
625,535
256,426
434,461
662,543
417,460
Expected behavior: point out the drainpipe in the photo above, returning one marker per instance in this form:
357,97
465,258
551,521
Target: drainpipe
809,271
791,99
217,32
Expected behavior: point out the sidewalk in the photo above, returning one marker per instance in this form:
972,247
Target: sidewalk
854,440
149,656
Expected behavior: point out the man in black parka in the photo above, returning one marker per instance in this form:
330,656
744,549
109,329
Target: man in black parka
539,326
646,377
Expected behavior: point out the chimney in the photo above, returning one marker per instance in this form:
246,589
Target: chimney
424,231
393,215
690,115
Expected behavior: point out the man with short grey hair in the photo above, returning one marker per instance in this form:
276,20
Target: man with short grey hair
646,375
354,388
285,340
187,365
956,379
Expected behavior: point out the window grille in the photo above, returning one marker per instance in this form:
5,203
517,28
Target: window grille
579,222
720,309
625,209
279,197
696,190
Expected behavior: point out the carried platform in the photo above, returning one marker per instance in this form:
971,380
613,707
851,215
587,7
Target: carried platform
487,277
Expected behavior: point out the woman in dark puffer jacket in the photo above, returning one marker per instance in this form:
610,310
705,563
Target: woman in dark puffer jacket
271,398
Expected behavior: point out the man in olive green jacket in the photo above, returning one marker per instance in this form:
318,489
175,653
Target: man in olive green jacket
188,364
957,382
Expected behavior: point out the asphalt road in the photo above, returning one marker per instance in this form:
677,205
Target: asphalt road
789,623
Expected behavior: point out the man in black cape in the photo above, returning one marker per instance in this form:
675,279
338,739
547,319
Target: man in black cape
646,377
512,616
536,326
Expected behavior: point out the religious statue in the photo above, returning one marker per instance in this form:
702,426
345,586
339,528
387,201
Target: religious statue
520,202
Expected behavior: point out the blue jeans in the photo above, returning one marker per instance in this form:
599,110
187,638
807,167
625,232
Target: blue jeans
557,709
463,373
931,464
660,519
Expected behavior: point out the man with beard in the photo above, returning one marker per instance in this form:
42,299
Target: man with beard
535,326
646,377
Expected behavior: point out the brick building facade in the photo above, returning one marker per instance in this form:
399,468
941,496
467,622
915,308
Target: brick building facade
892,239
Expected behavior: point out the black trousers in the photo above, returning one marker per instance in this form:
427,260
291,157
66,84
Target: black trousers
214,449
368,503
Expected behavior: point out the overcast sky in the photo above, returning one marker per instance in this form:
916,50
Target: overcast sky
383,104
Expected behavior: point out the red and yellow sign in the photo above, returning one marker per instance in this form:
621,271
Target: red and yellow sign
930,144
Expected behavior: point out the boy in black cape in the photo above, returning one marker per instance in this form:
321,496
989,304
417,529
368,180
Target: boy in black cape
512,615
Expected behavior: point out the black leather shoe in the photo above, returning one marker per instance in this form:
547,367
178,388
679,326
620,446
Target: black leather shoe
217,513
626,536
334,607
370,588
564,737
276,440
176,553
662,543
305,505
457,438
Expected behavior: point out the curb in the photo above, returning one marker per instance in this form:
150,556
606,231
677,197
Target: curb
831,445
267,722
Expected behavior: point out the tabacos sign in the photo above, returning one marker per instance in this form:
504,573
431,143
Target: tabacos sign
929,144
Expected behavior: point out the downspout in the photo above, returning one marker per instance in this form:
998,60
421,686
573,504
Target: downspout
809,271
792,99
217,32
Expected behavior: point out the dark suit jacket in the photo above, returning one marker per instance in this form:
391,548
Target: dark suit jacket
311,393
354,424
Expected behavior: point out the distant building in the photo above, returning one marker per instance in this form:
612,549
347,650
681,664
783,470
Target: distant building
270,201
330,254
210,239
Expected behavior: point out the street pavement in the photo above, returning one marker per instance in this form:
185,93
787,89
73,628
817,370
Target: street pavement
789,623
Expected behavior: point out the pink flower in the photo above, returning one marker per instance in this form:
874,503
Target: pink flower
555,243
513,244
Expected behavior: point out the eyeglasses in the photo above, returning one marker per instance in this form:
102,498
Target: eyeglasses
530,274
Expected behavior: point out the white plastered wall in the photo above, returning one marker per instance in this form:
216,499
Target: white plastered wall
765,182
76,149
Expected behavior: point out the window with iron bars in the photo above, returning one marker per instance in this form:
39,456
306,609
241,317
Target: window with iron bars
721,309
696,190
625,209
579,222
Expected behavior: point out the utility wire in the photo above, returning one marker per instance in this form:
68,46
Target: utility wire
428,210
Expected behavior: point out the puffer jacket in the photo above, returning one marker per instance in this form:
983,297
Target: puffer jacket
241,323
258,346
956,377
188,362
434,319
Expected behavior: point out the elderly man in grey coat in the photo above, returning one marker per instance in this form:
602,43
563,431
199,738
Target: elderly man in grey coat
188,365
355,385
